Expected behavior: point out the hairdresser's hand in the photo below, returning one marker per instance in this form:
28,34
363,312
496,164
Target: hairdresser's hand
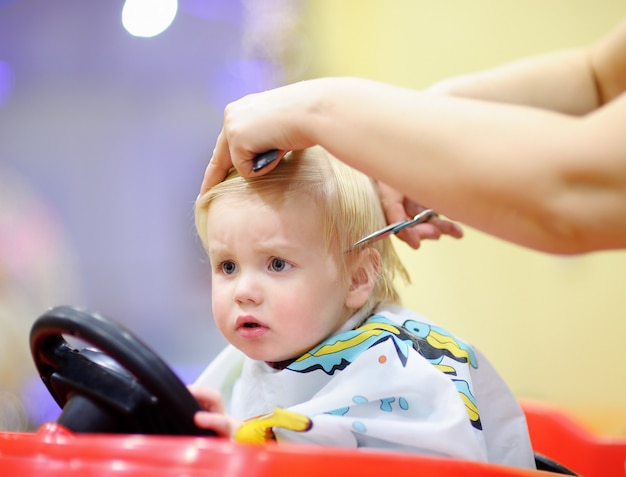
397,207
258,123
213,416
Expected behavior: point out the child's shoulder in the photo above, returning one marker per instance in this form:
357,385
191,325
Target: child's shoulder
431,340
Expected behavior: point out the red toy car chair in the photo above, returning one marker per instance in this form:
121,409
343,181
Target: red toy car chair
556,435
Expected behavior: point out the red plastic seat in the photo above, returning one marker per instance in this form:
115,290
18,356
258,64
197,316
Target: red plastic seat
55,451
555,434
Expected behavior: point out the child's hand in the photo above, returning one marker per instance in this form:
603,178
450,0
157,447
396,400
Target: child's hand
213,416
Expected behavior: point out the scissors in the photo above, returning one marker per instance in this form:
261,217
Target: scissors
423,216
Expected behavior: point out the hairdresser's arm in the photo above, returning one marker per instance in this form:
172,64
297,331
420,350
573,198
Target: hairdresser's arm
543,178
573,82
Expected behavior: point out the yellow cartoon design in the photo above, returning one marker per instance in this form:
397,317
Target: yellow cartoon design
259,430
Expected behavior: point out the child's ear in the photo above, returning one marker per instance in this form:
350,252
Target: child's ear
363,273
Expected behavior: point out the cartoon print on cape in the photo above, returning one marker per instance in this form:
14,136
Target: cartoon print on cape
432,342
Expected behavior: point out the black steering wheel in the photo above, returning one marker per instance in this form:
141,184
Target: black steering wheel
123,387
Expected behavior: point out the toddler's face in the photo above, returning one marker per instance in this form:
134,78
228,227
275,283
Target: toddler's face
276,292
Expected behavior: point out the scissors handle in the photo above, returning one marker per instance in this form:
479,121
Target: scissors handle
264,159
423,216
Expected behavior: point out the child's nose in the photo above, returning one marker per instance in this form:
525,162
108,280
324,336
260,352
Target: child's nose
248,289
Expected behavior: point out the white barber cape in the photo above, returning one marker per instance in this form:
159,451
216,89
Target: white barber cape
396,382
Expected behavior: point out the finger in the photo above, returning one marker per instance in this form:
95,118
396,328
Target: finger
427,231
432,230
218,166
448,227
396,208
413,235
412,208
395,213
392,204
209,399
219,423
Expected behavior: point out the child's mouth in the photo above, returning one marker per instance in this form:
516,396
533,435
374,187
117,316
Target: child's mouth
250,327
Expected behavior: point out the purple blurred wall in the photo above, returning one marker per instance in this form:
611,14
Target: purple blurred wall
115,131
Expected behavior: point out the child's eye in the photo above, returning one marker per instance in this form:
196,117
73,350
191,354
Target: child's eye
279,265
228,267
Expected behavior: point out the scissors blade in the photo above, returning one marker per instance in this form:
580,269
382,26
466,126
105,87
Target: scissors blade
423,216
379,234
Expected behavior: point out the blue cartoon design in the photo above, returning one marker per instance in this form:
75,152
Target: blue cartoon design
440,343
435,344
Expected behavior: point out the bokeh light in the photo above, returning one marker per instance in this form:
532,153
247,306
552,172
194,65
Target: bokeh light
148,18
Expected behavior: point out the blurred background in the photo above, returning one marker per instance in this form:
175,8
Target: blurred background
105,132
104,137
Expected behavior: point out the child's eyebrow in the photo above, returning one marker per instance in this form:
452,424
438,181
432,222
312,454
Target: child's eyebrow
215,249
270,247
278,247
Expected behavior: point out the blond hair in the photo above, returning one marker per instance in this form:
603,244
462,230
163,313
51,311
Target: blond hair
347,200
